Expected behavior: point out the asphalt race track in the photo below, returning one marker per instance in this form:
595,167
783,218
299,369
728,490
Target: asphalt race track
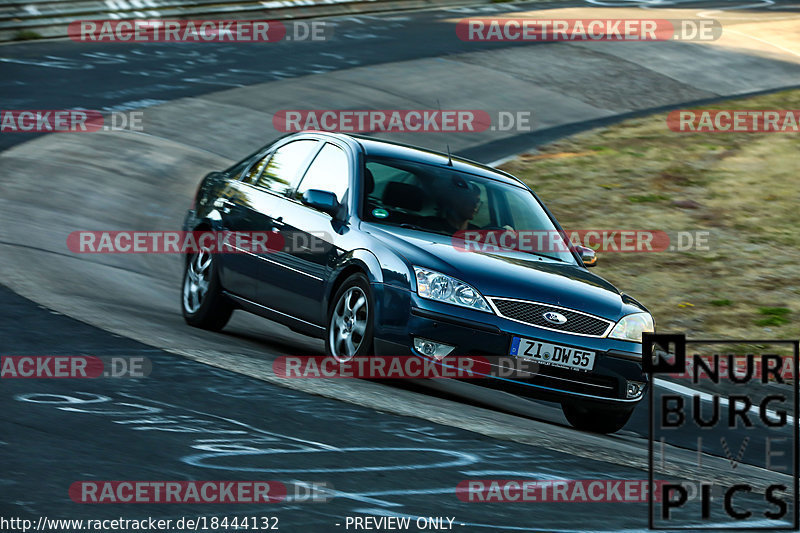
381,449
191,421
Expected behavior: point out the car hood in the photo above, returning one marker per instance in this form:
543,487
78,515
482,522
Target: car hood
509,274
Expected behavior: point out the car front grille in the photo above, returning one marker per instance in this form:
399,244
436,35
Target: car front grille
532,313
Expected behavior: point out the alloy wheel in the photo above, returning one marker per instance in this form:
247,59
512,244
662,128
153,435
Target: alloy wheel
195,286
348,324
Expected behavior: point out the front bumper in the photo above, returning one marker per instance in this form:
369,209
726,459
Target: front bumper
403,315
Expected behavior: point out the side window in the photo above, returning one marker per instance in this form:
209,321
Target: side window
383,174
255,170
281,171
329,172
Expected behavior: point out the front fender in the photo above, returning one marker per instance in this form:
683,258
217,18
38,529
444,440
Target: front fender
359,259
211,219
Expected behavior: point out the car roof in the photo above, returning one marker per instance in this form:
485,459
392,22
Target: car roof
389,149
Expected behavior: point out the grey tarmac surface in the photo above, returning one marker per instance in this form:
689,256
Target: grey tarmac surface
190,421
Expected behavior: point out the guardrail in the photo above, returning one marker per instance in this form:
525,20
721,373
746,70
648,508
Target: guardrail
34,19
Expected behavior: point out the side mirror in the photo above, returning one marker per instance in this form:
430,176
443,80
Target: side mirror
324,201
588,256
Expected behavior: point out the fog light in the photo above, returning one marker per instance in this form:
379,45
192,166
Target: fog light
635,389
435,350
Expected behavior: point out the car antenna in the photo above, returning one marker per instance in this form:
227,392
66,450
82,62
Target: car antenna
449,157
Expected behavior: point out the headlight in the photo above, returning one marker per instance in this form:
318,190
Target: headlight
631,327
436,286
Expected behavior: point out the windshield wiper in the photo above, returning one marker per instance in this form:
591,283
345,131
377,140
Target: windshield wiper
426,230
548,257
539,255
406,225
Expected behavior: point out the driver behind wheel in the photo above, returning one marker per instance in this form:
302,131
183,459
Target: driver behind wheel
460,202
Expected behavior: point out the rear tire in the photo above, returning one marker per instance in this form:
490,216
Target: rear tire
203,304
596,420
350,320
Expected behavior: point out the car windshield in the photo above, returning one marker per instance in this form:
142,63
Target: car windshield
482,213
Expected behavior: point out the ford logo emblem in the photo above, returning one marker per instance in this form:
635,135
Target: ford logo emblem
554,318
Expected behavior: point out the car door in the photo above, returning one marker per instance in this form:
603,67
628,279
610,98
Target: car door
270,190
313,237
239,269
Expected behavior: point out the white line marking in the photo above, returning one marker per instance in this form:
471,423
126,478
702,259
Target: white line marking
688,391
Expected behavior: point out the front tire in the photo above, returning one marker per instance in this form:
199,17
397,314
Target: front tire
350,320
596,420
203,304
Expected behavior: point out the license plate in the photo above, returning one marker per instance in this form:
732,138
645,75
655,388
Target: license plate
552,354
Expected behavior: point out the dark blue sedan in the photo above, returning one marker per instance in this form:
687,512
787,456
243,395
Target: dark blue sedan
388,249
